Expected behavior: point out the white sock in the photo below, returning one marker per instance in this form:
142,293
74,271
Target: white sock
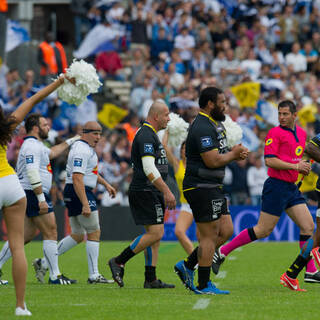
50,252
66,244
5,254
93,255
44,263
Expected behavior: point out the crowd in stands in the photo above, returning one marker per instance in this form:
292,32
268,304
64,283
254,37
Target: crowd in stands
174,49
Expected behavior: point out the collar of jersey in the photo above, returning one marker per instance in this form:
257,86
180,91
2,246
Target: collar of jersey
210,118
147,124
294,131
84,142
30,137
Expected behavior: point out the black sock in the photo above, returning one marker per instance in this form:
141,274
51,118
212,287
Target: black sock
252,234
297,266
203,277
192,260
124,256
150,273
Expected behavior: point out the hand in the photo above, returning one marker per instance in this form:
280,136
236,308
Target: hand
240,152
86,211
165,138
111,190
303,167
43,207
170,200
70,141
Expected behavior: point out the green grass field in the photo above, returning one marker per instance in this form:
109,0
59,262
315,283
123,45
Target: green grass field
252,276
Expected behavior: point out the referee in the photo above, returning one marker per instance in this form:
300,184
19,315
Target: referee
207,155
148,196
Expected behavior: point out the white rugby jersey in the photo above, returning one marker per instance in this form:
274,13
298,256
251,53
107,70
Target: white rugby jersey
83,159
34,154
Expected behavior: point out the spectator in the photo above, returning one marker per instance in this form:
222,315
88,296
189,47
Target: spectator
52,58
109,65
295,60
256,176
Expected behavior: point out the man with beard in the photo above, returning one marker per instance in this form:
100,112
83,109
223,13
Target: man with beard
207,155
35,175
284,147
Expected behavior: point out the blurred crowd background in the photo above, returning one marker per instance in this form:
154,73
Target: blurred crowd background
258,52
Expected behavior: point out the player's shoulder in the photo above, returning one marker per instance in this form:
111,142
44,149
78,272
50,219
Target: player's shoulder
31,143
301,131
80,146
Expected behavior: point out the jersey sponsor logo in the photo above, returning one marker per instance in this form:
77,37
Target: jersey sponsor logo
206,142
269,141
148,148
49,168
299,150
29,159
216,208
95,170
77,162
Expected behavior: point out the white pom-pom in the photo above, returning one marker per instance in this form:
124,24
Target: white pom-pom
87,81
233,131
177,130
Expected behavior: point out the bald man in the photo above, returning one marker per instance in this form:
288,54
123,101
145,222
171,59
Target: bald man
148,197
82,177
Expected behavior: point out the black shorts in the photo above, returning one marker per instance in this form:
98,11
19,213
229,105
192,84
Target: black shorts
147,207
207,204
74,204
33,204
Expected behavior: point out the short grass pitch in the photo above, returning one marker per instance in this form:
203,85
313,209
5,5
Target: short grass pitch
251,274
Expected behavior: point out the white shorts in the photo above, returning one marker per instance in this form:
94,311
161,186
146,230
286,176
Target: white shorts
10,190
186,207
81,224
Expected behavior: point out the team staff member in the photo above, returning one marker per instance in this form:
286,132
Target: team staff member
12,196
35,175
284,146
148,196
289,278
82,177
207,155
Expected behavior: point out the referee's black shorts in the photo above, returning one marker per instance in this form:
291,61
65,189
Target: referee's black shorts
206,204
147,207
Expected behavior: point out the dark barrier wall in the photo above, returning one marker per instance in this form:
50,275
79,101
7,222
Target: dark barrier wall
117,224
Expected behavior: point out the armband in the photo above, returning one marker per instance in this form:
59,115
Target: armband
150,169
34,178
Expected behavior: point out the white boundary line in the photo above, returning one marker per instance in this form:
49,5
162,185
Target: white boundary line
201,304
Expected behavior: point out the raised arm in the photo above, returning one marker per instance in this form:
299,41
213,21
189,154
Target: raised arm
27,105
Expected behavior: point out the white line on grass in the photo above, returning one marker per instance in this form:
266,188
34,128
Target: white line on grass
221,275
201,304
232,258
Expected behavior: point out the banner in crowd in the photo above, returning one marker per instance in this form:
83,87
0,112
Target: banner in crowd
97,40
16,35
111,115
243,217
247,94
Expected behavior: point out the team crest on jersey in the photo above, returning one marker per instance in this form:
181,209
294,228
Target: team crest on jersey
269,141
29,159
148,148
77,162
49,168
95,170
206,142
299,150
